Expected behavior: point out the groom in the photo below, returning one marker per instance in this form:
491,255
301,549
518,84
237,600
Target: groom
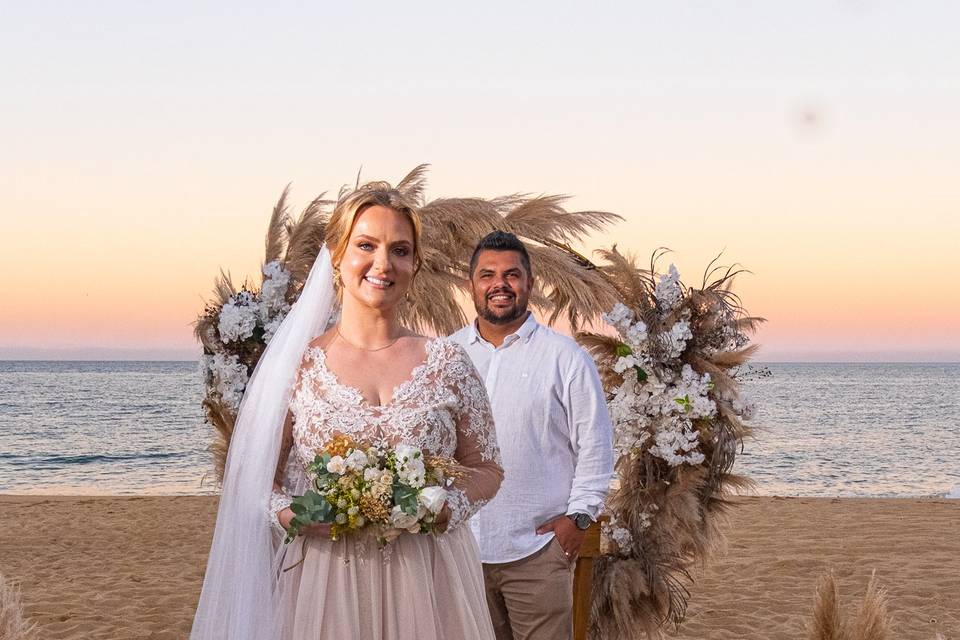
555,438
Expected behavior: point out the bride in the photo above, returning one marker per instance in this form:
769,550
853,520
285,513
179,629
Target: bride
370,378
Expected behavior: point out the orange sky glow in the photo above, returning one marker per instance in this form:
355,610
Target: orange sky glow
815,145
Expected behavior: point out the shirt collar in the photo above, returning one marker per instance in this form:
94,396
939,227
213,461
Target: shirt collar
525,332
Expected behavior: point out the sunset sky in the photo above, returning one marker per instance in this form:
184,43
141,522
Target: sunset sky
142,146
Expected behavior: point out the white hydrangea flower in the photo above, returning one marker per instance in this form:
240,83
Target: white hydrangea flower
238,318
676,441
690,395
620,316
273,305
636,335
229,377
203,368
668,292
625,362
676,340
271,327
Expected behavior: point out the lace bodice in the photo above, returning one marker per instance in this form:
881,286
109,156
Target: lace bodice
442,407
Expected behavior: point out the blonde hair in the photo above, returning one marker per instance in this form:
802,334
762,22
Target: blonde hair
352,204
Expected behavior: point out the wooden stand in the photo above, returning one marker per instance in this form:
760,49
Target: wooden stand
583,582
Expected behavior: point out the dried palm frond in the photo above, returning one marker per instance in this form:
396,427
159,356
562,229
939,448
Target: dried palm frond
414,184
543,218
567,286
630,282
276,240
304,240
13,626
731,359
603,349
223,420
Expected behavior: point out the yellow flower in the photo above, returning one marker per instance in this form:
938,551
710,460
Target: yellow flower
373,508
340,445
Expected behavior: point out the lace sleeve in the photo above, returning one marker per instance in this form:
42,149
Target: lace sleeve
477,449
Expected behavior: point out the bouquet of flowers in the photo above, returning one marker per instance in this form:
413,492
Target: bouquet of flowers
358,485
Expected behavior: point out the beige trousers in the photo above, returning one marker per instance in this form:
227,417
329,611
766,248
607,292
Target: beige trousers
532,598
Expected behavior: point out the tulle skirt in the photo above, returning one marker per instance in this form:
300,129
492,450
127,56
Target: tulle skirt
421,586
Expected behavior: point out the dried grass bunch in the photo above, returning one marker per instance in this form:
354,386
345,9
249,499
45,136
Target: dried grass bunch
238,322
13,626
829,622
679,419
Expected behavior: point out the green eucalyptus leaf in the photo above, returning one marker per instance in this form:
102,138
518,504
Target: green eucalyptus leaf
323,512
405,497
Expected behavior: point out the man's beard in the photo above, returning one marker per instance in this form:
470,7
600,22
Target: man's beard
506,316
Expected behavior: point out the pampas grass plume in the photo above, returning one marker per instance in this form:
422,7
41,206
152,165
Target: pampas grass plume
12,624
873,621
829,622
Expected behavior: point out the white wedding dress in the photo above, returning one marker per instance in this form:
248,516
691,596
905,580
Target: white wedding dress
423,586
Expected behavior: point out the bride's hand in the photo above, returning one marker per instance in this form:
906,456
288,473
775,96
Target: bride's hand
286,515
442,520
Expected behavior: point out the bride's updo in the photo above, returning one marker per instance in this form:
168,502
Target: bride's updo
352,204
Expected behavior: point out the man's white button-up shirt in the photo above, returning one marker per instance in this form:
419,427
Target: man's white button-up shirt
554,434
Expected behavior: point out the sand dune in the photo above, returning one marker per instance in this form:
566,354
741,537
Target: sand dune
131,567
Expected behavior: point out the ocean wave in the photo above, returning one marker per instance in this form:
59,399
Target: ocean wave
55,460
953,494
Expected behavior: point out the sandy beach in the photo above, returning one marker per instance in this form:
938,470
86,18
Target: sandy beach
131,567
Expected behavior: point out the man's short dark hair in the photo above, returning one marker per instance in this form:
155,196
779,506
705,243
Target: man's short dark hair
501,241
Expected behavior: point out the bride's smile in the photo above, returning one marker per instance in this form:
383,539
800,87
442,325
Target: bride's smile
378,264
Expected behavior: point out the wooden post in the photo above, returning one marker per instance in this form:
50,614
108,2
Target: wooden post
583,581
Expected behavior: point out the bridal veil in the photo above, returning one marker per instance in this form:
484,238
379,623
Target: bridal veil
239,599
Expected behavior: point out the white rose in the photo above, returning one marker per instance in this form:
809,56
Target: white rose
337,465
433,499
356,460
402,520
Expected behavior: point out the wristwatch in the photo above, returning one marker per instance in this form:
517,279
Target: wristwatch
582,520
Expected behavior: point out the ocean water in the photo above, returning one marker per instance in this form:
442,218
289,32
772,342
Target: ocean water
864,429
102,428
821,429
